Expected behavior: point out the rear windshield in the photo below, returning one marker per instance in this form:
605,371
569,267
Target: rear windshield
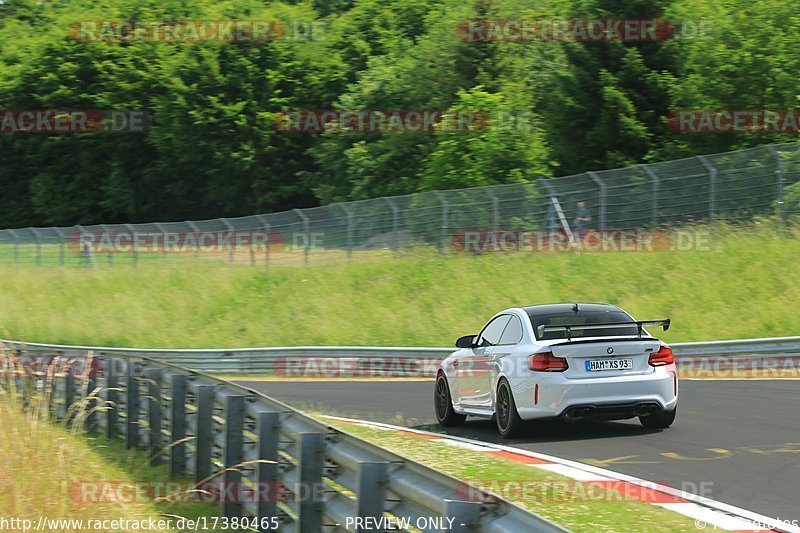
609,316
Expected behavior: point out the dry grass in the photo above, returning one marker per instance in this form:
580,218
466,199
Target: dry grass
42,467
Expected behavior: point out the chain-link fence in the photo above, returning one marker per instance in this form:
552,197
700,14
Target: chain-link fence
572,212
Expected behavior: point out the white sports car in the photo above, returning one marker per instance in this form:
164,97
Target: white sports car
574,361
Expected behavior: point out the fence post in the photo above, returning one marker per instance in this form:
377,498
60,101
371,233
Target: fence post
349,214
653,195
177,406
395,223
601,184
61,245
495,209
134,250
16,245
779,175
309,481
160,228
306,234
110,248
267,227
445,220
38,246
712,187
230,246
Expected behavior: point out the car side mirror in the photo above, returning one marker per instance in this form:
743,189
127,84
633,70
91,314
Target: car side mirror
467,341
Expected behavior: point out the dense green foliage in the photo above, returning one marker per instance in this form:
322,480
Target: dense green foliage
213,150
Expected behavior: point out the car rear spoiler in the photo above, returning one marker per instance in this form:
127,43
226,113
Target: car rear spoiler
640,324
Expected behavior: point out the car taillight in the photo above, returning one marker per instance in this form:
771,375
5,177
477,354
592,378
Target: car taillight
662,357
547,362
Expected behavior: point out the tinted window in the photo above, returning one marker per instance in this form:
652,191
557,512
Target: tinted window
572,318
513,332
491,333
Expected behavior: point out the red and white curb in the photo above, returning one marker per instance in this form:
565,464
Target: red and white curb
707,513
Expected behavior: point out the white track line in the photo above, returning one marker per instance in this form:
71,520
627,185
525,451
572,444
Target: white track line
714,514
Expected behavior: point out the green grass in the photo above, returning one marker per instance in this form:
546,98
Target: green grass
552,496
51,471
745,286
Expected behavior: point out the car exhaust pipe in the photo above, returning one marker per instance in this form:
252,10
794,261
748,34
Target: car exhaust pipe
647,409
578,413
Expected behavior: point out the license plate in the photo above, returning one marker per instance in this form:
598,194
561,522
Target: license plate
609,364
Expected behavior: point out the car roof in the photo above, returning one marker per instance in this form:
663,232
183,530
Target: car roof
546,309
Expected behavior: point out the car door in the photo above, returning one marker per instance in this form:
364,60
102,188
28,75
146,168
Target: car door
474,374
509,341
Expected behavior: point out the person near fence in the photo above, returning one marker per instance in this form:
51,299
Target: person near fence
582,219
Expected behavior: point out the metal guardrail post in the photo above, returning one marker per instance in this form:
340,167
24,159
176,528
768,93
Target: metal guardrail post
779,176
445,220
69,392
466,515
603,199
202,438
154,437
266,474
309,482
111,396
132,406
233,455
306,233
712,187
177,417
371,489
653,195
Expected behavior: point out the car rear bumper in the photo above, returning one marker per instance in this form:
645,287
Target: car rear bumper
611,411
601,398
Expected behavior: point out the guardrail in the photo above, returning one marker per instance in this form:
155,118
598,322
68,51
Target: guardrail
395,361
265,461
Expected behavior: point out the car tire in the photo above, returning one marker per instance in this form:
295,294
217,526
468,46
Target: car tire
446,416
508,420
661,420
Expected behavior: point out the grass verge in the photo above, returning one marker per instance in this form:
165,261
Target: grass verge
741,287
578,507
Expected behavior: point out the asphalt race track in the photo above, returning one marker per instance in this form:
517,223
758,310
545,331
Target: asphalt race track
737,442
